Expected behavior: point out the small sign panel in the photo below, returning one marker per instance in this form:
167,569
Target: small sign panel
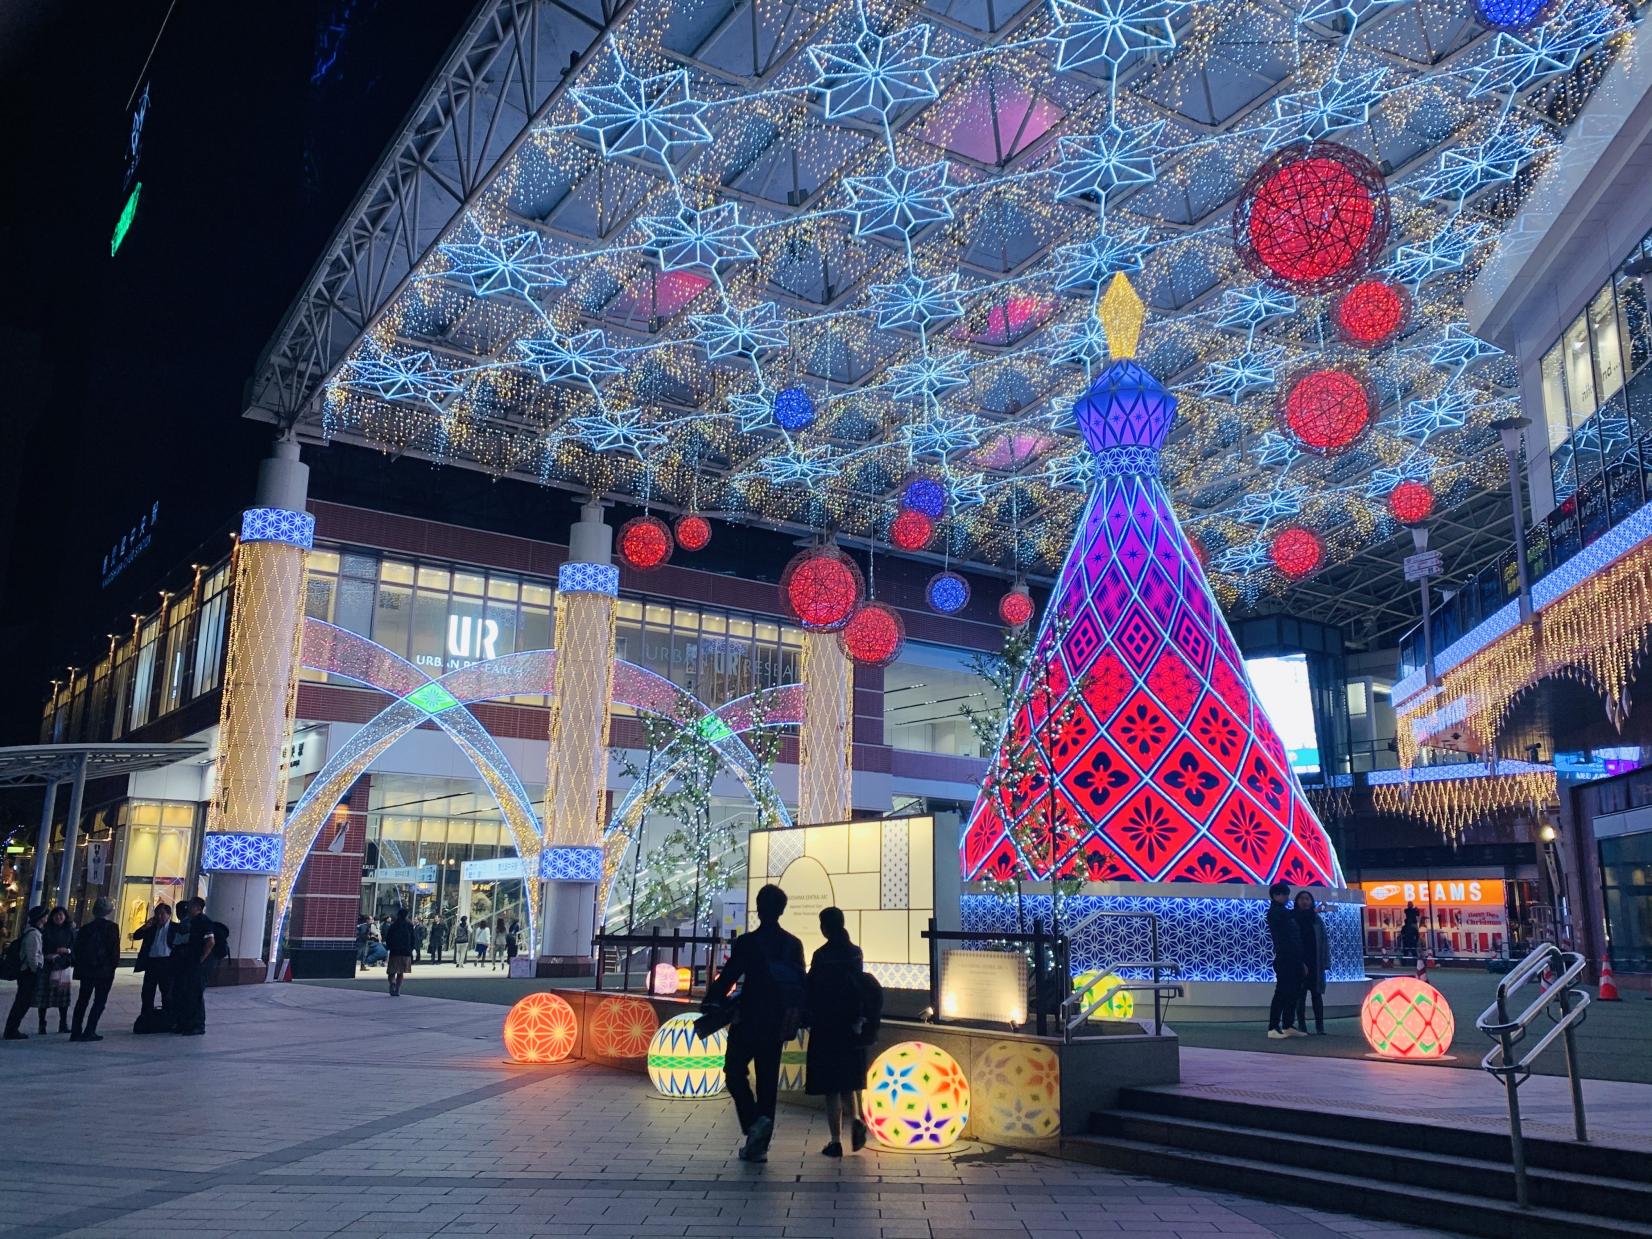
984,985
1424,564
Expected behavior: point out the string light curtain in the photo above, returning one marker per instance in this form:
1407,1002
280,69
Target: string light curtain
1452,806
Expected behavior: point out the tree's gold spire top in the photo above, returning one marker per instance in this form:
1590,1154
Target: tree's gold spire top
1122,314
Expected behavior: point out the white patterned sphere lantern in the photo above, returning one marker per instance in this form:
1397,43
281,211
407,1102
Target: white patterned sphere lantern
683,1065
916,1097
1017,1088
665,979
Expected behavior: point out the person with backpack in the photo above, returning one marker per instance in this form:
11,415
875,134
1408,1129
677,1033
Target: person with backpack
398,940
97,955
194,940
24,960
770,963
154,938
835,1058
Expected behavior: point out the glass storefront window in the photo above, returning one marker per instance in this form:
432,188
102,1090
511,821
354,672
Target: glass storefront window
1554,398
1580,376
159,835
925,692
1603,335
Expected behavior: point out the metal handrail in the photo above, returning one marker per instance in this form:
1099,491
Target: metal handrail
1152,919
1070,1022
1508,1032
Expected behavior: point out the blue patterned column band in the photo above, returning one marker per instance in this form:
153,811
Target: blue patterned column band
571,864
575,578
278,525
239,853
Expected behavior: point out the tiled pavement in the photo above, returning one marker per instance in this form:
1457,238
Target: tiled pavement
309,1111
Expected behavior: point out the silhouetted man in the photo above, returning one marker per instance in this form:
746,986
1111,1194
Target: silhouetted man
97,954
1290,965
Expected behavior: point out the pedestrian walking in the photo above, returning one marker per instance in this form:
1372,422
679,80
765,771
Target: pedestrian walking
418,939
461,941
1316,957
498,942
97,955
154,938
513,942
438,939
1289,964
835,1059
770,962
30,952
398,939
481,941
193,940
53,985
364,926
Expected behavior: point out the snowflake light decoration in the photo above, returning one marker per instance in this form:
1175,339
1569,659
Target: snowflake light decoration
1233,378
942,434
687,238
1106,32
744,331
517,264
1096,164
1465,171
874,77
1251,307
1446,251
901,202
582,358
401,375
1084,266
1422,419
1262,508
926,377
1309,115
1459,348
915,302
657,117
617,430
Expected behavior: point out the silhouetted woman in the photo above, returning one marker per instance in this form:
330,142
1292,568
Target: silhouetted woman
836,1058
53,983
1316,953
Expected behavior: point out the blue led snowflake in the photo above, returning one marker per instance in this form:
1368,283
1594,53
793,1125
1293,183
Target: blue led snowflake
753,411
916,302
1084,266
1422,419
742,332
1074,472
688,238
1446,251
1460,348
1554,48
1244,560
941,434
1251,307
925,377
517,264
582,358
1083,342
631,115
400,375
875,76
1095,164
795,468
794,408
901,202
1232,378
1313,114
1264,507
616,430
1417,467
1089,32
1464,171
968,490
1276,450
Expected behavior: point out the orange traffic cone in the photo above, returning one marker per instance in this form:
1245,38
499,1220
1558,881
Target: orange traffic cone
1608,987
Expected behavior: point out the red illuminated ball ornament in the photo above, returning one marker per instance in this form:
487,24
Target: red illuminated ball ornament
693,533
1312,218
644,542
911,530
874,635
820,588
1411,502
1371,313
1403,1017
1327,410
1016,607
1296,551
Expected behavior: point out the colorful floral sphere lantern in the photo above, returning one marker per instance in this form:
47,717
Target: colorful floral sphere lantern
916,1097
683,1065
794,408
622,1028
874,635
540,1028
1015,608
1411,502
1313,217
924,495
947,592
693,533
1407,1018
820,588
911,530
1296,552
1371,313
1327,410
1017,1091
644,543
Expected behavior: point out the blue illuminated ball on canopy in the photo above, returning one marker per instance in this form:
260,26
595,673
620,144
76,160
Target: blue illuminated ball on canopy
794,408
924,495
1510,14
947,592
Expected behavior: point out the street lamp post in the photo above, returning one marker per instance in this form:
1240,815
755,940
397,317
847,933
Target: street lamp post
1419,540
1511,430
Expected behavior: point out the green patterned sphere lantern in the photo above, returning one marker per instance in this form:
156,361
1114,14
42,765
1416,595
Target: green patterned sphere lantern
683,1065
1407,1018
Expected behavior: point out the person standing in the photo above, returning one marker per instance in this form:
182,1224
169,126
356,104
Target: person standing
513,942
835,1058
154,939
418,939
398,939
438,939
1289,965
1411,931
364,926
481,942
97,955
461,941
1316,956
53,985
498,942
770,962
31,959
192,944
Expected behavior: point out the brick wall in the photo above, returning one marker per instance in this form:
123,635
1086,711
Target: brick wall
328,894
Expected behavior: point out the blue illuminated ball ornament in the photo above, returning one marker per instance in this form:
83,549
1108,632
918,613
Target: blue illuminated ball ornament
924,495
794,408
947,592
1510,14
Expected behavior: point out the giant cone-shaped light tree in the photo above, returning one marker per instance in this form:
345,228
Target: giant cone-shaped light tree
1167,770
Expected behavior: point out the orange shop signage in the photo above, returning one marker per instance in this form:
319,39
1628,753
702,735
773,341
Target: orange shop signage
1474,892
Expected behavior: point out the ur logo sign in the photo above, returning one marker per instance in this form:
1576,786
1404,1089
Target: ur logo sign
465,640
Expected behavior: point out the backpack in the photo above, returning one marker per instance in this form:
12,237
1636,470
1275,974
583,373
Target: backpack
871,1005
11,961
220,940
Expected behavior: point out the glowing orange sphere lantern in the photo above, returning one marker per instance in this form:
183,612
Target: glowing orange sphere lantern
1406,1018
622,1028
540,1028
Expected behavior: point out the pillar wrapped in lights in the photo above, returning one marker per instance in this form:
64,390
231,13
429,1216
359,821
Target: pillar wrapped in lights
242,848
825,740
571,864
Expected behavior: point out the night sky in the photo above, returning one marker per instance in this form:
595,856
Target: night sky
127,373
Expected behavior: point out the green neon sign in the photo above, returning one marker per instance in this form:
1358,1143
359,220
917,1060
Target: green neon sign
432,698
123,225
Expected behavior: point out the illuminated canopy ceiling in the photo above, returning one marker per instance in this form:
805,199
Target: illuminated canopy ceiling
774,259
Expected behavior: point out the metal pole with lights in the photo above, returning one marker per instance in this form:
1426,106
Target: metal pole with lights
1511,430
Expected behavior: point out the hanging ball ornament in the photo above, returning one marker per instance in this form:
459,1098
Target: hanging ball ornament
947,592
1371,313
1016,607
874,635
1296,551
794,408
1411,502
1512,14
820,588
1327,410
644,542
693,533
1313,217
911,530
924,495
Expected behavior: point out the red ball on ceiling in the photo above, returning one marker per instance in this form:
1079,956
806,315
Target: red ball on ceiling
1296,551
644,542
693,533
874,635
911,530
1313,217
1016,607
820,588
1371,313
1411,502
1327,410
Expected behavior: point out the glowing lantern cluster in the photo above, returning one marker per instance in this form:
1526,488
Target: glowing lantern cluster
874,635
947,592
1327,410
911,530
1411,502
683,1065
1296,551
693,533
1313,217
644,542
1403,1017
820,588
540,1028
1016,607
1017,1088
916,1097
1371,313
622,1028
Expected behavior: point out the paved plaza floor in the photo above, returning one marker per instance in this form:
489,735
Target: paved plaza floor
320,1111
